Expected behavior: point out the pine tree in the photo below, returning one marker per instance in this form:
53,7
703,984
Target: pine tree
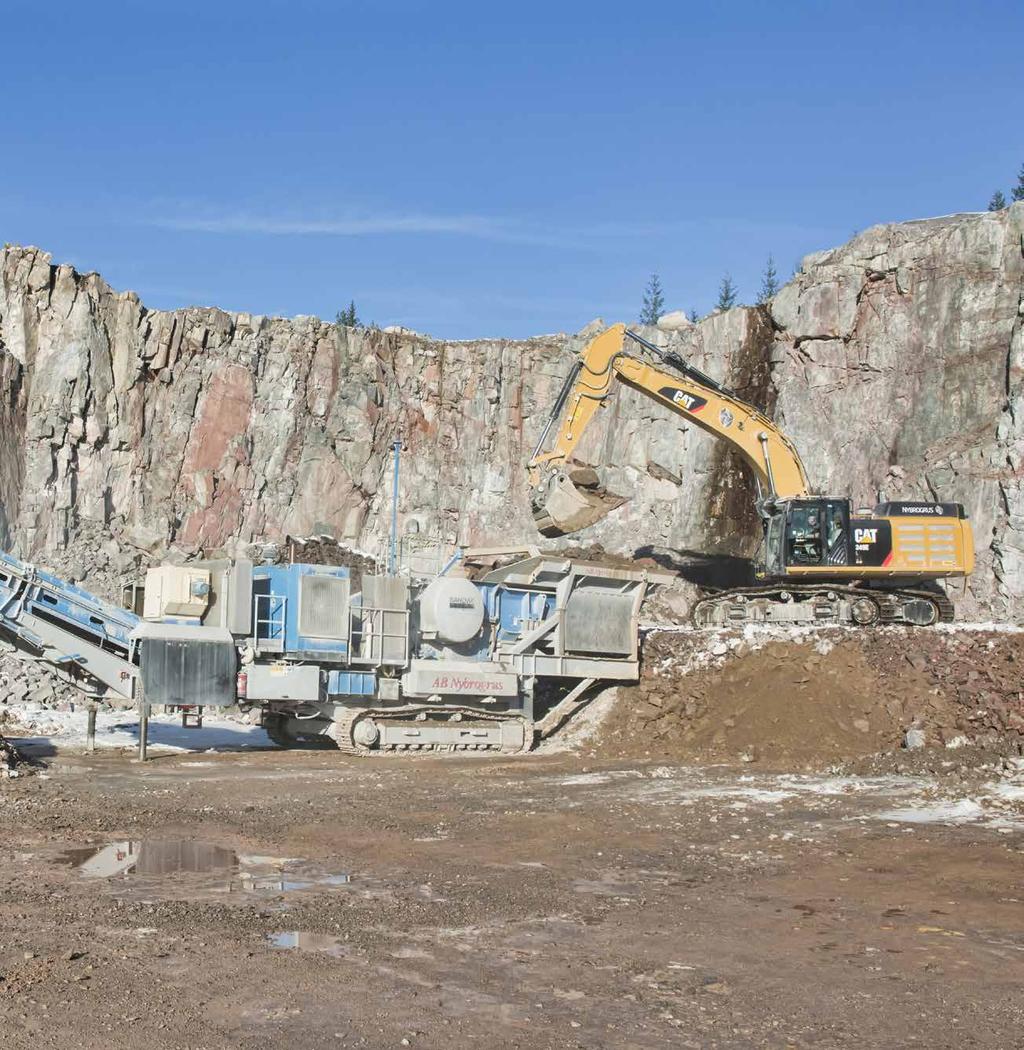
998,201
347,317
769,281
694,316
726,294
1017,193
654,301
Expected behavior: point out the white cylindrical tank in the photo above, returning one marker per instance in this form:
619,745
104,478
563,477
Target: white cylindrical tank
452,609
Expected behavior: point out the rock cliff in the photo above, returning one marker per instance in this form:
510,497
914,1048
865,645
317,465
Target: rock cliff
896,363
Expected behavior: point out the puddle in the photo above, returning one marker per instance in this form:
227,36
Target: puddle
163,864
296,940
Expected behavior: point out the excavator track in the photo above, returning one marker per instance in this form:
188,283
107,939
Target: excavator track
415,727
823,604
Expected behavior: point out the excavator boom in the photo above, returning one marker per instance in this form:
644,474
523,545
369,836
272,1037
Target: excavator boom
567,498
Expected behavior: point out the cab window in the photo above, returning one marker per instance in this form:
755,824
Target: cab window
835,527
803,536
774,560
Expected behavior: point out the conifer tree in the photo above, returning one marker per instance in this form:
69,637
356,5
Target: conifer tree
769,281
726,294
1017,193
347,317
654,301
998,201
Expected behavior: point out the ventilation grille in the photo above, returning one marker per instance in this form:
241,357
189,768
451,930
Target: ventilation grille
323,607
598,622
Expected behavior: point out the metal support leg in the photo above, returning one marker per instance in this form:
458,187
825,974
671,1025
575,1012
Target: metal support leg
564,708
529,684
90,728
143,729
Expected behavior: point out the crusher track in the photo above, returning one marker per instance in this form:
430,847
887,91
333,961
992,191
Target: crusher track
362,731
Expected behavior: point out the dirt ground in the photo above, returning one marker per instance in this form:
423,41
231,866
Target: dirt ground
290,899
736,853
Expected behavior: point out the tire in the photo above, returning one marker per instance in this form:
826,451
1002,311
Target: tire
276,727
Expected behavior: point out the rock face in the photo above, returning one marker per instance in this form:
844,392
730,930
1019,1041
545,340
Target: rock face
895,363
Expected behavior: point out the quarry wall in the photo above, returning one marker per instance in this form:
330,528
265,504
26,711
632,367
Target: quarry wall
895,362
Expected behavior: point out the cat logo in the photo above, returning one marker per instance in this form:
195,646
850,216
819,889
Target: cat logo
865,536
687,402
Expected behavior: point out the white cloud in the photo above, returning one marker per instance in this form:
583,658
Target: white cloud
477,226
590,236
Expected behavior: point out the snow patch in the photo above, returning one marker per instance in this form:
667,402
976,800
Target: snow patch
955,811
46,728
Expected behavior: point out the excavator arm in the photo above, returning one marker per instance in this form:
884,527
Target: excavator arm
567,498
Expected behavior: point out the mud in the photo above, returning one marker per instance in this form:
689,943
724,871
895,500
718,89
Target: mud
727,858
543,902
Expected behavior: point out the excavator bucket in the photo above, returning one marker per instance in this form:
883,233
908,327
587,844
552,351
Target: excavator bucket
571,501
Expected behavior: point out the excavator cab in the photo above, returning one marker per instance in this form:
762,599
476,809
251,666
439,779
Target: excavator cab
805,533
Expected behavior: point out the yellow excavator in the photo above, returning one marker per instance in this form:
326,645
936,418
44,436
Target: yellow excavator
821,560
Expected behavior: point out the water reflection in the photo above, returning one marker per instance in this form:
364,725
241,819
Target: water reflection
307,942
157,860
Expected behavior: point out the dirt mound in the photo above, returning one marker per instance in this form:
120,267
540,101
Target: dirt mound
822,698
323,551
597,555
312,550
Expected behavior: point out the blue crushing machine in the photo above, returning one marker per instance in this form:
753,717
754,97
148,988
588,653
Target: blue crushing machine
369,662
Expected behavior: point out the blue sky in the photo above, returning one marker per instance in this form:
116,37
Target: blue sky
477,169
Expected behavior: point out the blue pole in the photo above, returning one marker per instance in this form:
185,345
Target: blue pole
393,551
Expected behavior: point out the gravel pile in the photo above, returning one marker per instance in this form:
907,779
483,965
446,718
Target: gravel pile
321,550
969,683
27,681
820,697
